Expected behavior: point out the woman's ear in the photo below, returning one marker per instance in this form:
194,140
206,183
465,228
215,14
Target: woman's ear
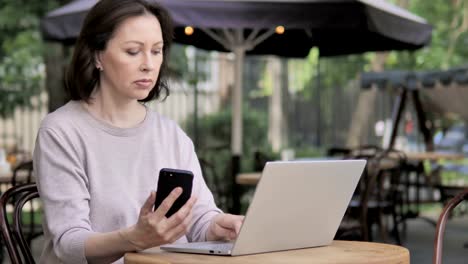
97,61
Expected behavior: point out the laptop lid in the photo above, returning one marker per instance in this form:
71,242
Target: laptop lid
298,204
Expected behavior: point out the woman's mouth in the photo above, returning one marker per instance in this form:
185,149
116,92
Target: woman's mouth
145,83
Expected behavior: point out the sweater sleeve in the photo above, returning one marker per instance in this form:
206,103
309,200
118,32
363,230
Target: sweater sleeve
205,208
63,188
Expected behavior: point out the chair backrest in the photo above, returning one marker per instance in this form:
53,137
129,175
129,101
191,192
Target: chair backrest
373,181
22,173
439,237
16,244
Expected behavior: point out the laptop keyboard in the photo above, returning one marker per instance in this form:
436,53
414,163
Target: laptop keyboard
219,246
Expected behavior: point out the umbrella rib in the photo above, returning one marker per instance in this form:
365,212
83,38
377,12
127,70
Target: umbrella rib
261,38
252,35
229,42
229,35
217,38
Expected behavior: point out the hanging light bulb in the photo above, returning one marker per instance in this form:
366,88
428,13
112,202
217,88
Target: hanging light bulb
189,30
279,30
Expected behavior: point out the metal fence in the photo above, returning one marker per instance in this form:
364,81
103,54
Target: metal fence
338,105
180,104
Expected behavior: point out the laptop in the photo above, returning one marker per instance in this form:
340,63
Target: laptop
297,204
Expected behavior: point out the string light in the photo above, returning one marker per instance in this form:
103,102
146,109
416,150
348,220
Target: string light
188,30
279,30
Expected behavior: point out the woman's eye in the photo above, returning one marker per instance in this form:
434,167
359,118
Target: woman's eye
156,52
132,52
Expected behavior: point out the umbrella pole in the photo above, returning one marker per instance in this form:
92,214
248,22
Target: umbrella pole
195,103
236,136
319,114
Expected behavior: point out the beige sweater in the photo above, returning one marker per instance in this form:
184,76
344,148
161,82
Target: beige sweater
93,177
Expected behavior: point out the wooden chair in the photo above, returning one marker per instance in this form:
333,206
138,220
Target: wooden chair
23,173
354,225
389,191
17,246
439,237
377,194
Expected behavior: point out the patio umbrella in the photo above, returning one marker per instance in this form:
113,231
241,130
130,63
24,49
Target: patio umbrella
284,28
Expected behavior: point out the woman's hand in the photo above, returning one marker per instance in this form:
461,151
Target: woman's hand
153,228
224,227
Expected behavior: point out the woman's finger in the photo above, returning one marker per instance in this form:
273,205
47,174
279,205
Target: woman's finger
221,232
233,235
167,203
238,223
182,214
231,221
148,205
227,226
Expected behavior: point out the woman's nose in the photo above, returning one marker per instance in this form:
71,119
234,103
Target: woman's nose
148,63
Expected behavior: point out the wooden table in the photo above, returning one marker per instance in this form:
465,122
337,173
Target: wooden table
6,174
250,178
338,252
433,156
5,179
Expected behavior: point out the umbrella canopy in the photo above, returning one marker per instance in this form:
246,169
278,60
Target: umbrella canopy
444,91
336,27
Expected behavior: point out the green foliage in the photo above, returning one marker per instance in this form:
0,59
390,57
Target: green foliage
304,72
21,52
214,147
446,18
215,130
334,71
215,137
308,152
256,85
178,62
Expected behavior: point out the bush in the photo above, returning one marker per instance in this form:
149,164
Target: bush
214,147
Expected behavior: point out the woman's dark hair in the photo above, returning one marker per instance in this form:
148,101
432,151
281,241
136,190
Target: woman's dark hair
98,27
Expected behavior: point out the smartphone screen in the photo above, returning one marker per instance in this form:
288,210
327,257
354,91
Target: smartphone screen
168,180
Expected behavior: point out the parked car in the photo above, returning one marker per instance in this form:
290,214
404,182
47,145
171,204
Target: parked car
454,140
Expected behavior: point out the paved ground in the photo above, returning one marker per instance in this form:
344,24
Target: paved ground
420,241
420,236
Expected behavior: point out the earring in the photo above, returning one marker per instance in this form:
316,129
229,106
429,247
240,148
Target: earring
99,68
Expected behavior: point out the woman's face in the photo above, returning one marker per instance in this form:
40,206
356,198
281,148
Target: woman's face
132,59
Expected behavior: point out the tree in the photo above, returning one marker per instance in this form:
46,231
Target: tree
22,70
448,49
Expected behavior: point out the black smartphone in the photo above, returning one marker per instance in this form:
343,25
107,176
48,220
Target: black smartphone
168,180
